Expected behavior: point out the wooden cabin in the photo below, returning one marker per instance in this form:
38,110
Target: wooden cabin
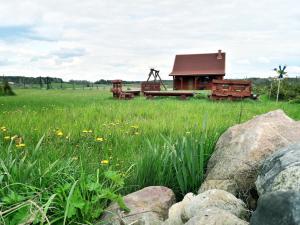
196,71
231,89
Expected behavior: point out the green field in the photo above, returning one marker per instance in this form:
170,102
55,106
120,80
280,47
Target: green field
93,147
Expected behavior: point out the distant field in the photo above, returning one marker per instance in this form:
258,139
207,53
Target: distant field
85,127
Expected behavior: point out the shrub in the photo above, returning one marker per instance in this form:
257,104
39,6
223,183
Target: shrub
6,90
288,90
202,95
296,100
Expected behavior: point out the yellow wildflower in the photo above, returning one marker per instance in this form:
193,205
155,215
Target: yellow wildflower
6,137
21,145
99,139
87,131
135,126
104,162
59,133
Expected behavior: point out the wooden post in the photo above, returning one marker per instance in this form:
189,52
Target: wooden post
181,83
173,83
278,90
195,83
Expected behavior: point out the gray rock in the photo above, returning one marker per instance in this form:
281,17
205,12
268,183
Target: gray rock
215,216
277,208
148,206
241,149
280,171
227,185
176,210
217,199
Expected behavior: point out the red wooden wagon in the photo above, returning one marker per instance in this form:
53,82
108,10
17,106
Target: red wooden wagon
231,89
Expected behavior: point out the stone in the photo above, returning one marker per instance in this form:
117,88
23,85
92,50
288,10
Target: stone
280,171
277,208
176,210
242,148
148,206
217,199
227,185
215,216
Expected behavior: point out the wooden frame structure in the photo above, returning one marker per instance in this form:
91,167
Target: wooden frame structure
153,85
231,89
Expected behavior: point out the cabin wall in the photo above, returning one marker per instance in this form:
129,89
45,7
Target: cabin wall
194,82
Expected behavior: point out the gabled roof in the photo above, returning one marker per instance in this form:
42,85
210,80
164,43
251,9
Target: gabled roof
199,64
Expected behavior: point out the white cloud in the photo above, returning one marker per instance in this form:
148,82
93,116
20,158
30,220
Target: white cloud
122,39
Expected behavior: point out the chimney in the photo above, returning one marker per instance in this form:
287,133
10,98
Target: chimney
219,54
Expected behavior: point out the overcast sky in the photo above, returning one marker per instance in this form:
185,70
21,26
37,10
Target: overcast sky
99,39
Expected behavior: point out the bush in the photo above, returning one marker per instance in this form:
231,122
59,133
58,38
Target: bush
201,95
296,100
6,90
288,90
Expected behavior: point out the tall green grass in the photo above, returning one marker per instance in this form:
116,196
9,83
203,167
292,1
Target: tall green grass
34,191
161,142
178,164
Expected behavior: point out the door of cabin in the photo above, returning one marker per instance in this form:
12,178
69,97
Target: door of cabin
190,85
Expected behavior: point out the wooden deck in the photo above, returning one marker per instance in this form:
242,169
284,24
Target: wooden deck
134,92
182,94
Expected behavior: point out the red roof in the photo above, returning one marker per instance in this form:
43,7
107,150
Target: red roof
199,64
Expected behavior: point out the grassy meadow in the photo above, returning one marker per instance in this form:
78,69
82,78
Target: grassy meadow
65,154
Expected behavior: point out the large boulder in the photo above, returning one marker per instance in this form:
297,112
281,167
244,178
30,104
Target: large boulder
148,206
280,171
277,208
217,199
215,216
241,149
176,211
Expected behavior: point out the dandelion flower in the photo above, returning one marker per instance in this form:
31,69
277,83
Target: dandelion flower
59,133
90,131
6,137
99,139
104,162
21,145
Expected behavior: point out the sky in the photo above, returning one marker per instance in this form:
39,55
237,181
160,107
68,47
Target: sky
110,39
